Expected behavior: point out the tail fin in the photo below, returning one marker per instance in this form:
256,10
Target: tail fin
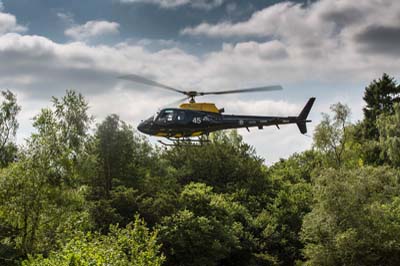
302,118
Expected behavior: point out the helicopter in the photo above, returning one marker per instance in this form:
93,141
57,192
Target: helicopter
193,120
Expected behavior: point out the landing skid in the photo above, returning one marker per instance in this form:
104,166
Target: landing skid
185,141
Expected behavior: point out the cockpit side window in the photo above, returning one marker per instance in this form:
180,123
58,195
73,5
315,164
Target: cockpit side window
180,115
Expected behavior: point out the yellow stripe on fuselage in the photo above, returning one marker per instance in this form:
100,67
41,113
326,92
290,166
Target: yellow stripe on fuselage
197,133
178,135
161,134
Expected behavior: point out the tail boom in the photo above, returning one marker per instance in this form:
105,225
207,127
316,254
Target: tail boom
235,121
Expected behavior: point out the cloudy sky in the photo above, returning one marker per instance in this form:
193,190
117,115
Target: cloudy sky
330,49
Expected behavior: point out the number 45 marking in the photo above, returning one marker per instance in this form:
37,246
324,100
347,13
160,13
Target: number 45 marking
196,120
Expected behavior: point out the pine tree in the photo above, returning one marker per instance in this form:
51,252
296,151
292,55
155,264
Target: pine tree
380,97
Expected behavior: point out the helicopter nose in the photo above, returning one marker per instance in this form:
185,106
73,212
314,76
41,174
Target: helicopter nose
144,127
141,127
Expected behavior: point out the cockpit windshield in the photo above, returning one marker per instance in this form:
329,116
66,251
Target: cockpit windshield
169,115
165,115
156,115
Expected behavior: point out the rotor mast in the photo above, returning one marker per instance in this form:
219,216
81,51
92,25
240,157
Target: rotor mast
191,95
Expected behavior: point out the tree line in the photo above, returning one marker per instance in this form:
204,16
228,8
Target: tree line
74,196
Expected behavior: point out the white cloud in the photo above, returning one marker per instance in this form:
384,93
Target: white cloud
261,23
92,29
319,28
161,3
328,41
67,18
322,19
200,4
8,23
155,44
207,4
263,107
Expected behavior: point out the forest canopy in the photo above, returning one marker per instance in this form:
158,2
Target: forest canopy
73,196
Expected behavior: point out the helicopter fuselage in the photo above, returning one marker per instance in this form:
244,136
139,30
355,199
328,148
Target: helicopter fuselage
183,123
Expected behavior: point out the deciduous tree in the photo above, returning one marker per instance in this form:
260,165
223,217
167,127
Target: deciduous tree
9,110
355,218
134,245
331,134
389,134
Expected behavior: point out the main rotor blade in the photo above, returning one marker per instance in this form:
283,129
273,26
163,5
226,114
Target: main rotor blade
175,103
257,89
139,79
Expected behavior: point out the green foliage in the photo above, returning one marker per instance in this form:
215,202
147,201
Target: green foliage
208,230
134,245
331,135
225,164
39,192
389,135
355,219
193,240
8,154
34,208
72,120
120,153
214,204
279,223
61,136
119,207
123,162
379,97
158,201
9,110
